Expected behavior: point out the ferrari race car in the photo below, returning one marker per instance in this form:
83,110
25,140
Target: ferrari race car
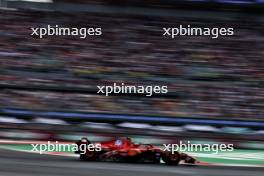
124,150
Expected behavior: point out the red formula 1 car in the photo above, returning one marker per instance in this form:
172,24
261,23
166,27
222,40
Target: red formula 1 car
124,150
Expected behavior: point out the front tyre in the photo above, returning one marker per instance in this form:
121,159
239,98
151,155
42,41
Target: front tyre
172,158
188,159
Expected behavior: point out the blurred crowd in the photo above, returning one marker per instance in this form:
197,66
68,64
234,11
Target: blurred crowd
212,77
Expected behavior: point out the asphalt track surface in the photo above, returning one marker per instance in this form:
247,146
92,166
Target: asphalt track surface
28,164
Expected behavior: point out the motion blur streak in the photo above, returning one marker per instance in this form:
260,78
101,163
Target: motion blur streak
48,86
13,164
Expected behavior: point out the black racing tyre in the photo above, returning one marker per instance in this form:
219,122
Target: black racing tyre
156,160
190,160
187,159
88,156
172,158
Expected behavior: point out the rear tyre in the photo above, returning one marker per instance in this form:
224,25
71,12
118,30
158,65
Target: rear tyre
172,158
